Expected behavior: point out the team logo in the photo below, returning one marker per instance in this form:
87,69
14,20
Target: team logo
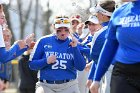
48,46
130,21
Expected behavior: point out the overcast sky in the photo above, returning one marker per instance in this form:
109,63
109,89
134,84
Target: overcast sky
59,6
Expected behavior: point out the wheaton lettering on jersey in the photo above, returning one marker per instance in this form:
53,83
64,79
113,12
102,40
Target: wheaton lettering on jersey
130,21
67,56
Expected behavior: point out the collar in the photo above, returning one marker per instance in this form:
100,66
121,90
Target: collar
136,3
105,23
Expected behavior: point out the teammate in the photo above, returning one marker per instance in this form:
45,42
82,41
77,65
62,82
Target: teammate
122,44
103,11
19,46
75,21
93,26
6,69
57,58
28,77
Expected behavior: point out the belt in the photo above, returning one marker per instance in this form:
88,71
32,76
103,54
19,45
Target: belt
56,81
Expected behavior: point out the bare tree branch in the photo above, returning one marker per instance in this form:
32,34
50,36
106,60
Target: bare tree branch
7,15
47,17
27,14
21,17
36,17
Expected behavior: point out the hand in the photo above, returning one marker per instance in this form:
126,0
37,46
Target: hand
22,44
94,87
88,84
32,45
29,39
88,66
80,26
74,42
51,59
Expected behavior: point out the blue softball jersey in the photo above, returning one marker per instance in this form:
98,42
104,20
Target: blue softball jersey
122,39
68,59
12,53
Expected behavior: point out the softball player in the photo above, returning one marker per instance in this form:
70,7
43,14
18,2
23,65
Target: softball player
18,47
57,58
103,11
122,44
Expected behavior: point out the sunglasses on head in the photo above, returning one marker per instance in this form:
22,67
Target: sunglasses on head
62,21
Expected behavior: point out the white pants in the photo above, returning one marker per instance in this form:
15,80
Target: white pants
82,79
69,87
105,86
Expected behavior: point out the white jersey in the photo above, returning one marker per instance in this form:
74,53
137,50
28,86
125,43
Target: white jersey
2,44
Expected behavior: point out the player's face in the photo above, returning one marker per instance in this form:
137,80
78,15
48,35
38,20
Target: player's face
74,23
93,27
7,35
62,33
100,17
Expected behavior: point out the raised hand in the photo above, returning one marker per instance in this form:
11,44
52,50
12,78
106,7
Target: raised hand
29,39
74,41
21,43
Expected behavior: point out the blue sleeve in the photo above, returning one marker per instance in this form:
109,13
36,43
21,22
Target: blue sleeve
80,40
109,49
18,53
89,39
92,71
105,59
7,54
96,48
79,61
38,64
36,61
84,50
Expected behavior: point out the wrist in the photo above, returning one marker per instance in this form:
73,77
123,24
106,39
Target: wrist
97,83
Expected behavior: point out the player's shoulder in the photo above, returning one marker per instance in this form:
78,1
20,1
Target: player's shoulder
121,8
47,37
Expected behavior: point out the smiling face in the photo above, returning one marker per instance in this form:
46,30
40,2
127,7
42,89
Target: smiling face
7,35
93,27
74,23
62,33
